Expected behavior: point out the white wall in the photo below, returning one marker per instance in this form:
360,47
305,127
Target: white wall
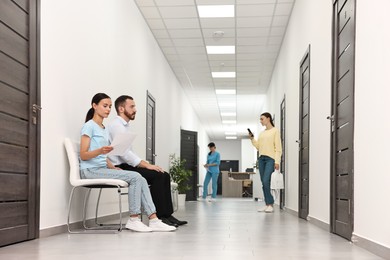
310,23
229,149
101,46
372,125
248,155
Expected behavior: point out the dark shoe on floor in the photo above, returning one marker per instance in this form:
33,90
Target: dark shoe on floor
168,222
172,219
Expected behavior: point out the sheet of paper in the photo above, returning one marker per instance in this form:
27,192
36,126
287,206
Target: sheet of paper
121,143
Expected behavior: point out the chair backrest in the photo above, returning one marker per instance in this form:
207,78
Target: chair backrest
73,152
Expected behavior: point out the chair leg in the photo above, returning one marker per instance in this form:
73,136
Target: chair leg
69,208
100,228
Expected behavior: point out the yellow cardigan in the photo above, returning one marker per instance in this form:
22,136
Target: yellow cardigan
269,144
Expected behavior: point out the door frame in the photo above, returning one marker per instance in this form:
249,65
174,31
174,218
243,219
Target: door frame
148,98
333,143
282,201
305,56
34,129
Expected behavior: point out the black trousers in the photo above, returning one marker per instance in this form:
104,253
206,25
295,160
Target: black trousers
160,188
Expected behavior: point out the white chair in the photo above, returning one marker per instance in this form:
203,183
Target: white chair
73,151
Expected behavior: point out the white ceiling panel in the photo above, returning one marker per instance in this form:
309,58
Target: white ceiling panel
252,22
223,41
150,12
227,32
178,12
217,23
185,33
188,42
161,34
188,23
277,31
251,41
253,32
171,2
257,31
144,3
240,2
191,50
255,10
280,20
283,9
156,24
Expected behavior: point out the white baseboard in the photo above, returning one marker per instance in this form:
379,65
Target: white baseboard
371,246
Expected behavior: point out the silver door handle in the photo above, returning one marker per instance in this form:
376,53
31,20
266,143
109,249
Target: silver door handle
331,118
154,155
298,141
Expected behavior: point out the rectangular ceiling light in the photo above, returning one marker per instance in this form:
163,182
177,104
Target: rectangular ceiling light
231,137
228,113
225,91
221,49
229,121
212,11
227,104
224,74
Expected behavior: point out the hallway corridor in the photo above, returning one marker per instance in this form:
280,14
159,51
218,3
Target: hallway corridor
226,229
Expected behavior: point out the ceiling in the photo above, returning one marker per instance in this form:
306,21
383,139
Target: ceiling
256,30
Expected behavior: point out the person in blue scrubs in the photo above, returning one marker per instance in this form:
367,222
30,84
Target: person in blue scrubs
212,166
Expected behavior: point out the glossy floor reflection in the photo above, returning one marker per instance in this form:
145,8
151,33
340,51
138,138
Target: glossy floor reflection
225,229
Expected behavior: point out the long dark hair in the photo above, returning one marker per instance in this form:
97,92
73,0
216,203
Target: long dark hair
95,100
268,115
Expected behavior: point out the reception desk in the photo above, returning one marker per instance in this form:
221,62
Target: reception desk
233,183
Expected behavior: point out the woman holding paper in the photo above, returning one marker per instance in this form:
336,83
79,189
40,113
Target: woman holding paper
94,164
269,146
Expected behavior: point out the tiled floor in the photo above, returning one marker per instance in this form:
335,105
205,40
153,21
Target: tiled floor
226,229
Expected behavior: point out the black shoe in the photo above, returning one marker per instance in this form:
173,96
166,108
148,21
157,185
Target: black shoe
166,221
172,219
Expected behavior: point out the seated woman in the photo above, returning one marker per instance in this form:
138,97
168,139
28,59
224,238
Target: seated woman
94,164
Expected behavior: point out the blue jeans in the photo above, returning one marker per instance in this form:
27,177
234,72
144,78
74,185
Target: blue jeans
214,177
266,168
139,193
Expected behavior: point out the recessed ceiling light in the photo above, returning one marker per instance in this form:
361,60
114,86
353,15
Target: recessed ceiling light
225,91
231,137
228,113
230,133
227,104
221,49
210,11
226,74
229,121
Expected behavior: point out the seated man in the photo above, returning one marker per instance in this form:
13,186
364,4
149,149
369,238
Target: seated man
159,181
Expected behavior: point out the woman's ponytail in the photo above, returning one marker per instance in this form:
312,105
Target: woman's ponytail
95,100
90,114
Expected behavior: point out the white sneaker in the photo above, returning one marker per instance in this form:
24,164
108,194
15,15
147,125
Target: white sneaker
262,209
136,225
157,225
269,209
201,199
212,200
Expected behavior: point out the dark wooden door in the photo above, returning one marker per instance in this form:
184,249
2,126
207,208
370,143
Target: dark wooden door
189,152
283,141
304,122
19,122
342,118
150,129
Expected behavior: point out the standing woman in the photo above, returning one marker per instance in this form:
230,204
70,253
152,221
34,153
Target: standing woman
270,149
212,166
94,164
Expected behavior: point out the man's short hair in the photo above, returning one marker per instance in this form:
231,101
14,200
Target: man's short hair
120,101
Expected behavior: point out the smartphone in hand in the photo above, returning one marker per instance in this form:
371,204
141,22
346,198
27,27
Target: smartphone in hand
250,132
